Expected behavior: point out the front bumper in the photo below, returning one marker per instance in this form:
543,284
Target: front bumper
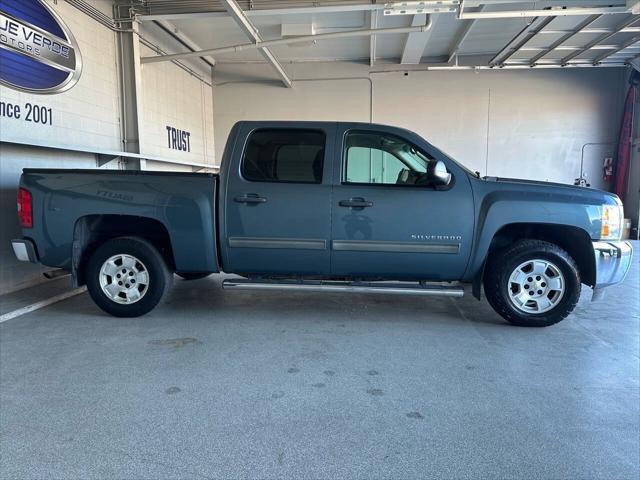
612,262
24,250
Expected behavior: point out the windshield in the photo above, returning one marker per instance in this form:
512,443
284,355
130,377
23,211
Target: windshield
444,154
411,157
467,170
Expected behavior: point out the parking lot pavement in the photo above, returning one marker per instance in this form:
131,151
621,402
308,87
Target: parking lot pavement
218,384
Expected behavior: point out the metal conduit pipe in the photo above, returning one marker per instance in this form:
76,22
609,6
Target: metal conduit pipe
180,65
288,41
171,6
93,12
170,30
104,20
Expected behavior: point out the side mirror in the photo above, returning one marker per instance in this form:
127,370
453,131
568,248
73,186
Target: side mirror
437,174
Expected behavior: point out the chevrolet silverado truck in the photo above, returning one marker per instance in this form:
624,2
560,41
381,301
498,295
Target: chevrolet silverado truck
325,206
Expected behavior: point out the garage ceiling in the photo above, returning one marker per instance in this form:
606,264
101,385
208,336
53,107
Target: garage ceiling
533,34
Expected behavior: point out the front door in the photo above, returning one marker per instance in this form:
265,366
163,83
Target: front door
278,206
387,220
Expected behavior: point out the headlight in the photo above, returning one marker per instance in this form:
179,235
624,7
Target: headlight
611,222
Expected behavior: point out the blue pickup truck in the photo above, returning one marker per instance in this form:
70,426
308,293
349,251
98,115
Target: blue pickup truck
325,206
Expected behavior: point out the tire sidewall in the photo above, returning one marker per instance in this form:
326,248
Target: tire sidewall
567,302
153,262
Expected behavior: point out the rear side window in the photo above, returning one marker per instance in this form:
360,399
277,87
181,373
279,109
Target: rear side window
284,155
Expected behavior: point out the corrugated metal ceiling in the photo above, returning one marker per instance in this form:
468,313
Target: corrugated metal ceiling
604,41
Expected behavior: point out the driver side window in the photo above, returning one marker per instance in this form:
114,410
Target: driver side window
382,159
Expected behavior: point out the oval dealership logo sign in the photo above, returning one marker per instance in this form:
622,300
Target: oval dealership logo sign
38,53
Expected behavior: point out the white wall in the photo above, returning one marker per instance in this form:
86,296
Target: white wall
632,197
87,115
15,275
172,97
166,167
529,124
336,100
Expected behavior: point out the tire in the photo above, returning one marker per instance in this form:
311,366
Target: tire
192,276
547,299
103,272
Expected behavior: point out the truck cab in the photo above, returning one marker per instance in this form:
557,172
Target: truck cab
342,200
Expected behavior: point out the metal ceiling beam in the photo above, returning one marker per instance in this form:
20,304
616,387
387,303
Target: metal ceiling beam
591,31
373,22
258,10
552,12
184,39
467,62
572,63
266,12
600,39
579,28
567,48
415,43
634,62
520,40
363,32
477,3
443,66
462,36
625,45
422,7
252,32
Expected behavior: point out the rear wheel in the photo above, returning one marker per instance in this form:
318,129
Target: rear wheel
532,283
127,277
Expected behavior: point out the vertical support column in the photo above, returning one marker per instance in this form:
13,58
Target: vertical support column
129,78
216,159
373,19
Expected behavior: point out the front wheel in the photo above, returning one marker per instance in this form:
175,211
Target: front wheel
532,283
127,277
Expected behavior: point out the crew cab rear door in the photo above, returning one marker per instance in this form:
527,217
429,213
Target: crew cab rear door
277,199
386,223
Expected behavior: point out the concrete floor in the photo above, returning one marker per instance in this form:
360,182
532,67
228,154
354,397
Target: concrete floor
230,384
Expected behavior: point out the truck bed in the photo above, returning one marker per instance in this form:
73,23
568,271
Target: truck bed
113,171
73,206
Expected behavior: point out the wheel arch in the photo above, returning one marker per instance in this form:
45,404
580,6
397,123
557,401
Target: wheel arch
91,231
574,240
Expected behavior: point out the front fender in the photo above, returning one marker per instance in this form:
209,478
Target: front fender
502,209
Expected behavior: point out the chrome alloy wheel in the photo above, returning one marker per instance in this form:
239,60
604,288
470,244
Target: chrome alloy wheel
124,279
536,286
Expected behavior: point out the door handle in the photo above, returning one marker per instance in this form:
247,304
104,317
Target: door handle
250,198
355,203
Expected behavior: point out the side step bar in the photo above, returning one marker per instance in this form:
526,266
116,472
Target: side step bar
51,274
390,288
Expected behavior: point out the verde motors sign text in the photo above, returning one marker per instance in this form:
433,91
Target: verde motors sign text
38,53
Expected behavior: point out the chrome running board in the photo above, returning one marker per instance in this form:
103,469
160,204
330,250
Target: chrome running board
331,286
